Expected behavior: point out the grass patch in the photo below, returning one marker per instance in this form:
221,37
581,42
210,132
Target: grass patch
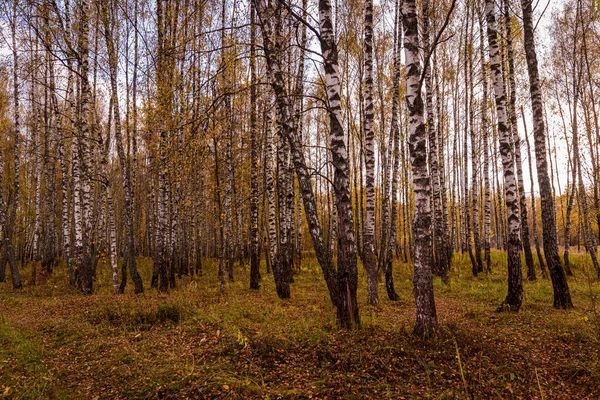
21,368
196,342
120,315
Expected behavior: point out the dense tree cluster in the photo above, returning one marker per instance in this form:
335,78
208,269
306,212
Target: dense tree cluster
241,131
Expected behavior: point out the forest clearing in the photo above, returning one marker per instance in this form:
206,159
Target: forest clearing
196,343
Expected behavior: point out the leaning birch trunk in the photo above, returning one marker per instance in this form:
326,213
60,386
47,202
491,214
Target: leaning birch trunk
514,298
347,255
299,107
370,261
426,317
562,296
335,279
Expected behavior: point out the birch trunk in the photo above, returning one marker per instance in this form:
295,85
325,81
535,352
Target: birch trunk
514,298
254,250
370,261
440,254
533,205
124,162
512,112
560,286
426,317
486,150
9,228
282,269
37,229
337,280
395,131
271,193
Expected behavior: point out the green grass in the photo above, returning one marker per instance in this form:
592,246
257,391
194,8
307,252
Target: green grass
21,366
195,342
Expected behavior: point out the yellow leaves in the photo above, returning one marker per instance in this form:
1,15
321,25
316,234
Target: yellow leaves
226,387
5,392
242,340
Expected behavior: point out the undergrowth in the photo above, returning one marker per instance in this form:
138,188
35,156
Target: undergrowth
195,342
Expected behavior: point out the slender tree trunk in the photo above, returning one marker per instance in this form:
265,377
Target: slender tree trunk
160,276
514,298
342,294
37,229
254,250
271,193
283,268
395,131
562,296
426,317
440,253
533,206
9,228
370,261
477,265
124,162
512,112
347,256
486,152
85,248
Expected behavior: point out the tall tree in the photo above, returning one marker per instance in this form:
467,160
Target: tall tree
514,298
130,253
337,279
9,251
486,150
369,257
254,250
426,319
440,262
395,132
512,113
533,201
562,295
347,251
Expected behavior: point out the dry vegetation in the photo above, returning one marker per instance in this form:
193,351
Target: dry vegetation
195,343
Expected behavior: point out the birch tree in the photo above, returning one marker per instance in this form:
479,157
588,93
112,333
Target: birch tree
370,261
562,295
426,318
514,299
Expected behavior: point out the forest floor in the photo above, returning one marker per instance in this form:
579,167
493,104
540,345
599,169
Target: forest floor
196,343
